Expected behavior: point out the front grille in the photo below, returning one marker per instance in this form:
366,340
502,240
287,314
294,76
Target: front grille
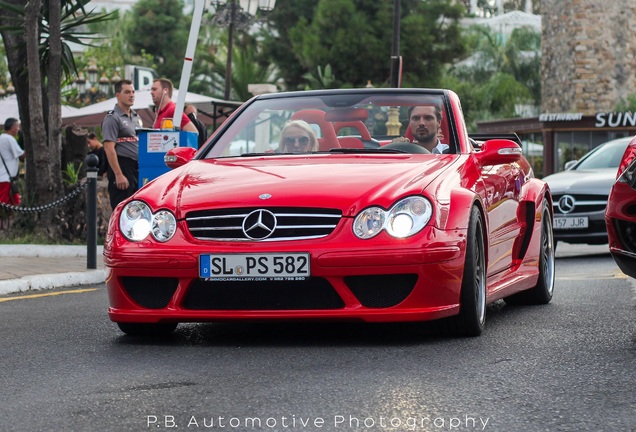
150,292
286,224
381,291
584,203
311,294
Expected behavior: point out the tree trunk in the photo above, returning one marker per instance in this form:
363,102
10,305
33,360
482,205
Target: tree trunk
54,78
42,143
45,185
54,82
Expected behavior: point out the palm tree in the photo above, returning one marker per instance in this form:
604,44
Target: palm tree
49,25
503,73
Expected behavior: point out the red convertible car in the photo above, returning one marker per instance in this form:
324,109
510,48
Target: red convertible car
620,214
305,206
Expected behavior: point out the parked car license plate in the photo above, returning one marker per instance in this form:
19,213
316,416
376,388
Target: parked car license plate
249,267
570,222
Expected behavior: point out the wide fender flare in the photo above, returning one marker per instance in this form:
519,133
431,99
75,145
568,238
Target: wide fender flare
457,212
535,191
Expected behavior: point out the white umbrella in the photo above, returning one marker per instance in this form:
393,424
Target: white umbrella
9,108
92,115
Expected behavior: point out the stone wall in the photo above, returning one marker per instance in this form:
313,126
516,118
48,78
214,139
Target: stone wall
588,54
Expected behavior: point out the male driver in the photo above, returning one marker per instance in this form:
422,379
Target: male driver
425,122
161,93
121,145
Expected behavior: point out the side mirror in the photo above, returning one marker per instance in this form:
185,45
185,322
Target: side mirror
178,156
499,151
569,164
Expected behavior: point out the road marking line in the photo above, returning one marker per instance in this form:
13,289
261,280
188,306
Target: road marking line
79,291
616,275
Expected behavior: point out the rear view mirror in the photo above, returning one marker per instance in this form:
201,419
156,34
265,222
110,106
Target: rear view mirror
569,164
178,156
499,151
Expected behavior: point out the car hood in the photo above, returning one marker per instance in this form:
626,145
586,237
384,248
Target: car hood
346,182
591,182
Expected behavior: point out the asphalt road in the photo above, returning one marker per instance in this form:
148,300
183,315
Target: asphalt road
567,366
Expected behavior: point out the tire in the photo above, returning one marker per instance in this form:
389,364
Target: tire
543,291
147,329
471,319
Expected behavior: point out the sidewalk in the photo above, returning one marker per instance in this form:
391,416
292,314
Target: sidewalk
37,267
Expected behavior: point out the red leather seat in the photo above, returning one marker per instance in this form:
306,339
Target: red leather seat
352,142
357,125
327,139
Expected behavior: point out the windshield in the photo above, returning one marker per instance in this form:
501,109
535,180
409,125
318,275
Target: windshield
606,155
332,122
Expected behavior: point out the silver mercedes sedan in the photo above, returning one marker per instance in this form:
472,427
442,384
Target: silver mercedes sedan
580,194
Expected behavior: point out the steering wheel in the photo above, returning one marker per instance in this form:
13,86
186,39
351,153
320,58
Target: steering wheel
407,147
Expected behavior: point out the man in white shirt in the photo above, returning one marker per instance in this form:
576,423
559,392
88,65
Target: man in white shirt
425,122
11,153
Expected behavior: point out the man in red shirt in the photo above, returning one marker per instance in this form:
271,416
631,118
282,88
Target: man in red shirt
161,93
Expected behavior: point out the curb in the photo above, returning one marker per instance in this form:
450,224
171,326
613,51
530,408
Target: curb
50,251
50,281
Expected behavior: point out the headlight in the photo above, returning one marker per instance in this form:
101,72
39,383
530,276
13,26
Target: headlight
369,223
137,221
164,225
408,217
405,218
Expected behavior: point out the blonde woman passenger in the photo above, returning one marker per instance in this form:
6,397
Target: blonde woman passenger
297,136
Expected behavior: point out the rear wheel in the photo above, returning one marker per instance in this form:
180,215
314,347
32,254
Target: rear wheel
542,292
472,309
147,329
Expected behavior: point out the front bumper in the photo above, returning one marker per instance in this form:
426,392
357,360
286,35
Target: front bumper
416,281
621,227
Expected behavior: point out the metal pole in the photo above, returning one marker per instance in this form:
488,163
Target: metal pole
187,61
230,43
91,211
395,47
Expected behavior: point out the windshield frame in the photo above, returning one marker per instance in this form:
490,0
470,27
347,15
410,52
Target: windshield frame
330,101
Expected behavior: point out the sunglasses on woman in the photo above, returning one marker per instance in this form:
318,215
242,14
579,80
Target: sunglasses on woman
302,141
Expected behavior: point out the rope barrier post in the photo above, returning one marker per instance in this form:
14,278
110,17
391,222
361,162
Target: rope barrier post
91,211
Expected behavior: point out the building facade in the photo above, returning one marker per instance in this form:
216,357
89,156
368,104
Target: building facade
588,63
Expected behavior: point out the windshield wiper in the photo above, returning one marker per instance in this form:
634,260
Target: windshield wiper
258,154
365,150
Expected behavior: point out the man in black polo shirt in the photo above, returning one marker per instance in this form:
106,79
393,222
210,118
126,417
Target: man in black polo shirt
121,145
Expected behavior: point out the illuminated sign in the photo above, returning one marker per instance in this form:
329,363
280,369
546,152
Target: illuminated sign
615,119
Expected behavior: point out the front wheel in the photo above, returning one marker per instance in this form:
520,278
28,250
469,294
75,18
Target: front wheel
147,329
472,309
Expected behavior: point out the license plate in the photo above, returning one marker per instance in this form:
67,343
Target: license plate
570,222
254,267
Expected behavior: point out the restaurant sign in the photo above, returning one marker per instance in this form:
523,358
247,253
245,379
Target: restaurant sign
553,117
615,119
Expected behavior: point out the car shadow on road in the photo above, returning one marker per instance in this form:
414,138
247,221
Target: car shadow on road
315,333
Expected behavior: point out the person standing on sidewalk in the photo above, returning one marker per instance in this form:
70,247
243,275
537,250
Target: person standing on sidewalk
10,154
121,144
96,147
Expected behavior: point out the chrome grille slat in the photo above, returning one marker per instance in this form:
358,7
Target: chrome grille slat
214,228
588,203
217,217
291,224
